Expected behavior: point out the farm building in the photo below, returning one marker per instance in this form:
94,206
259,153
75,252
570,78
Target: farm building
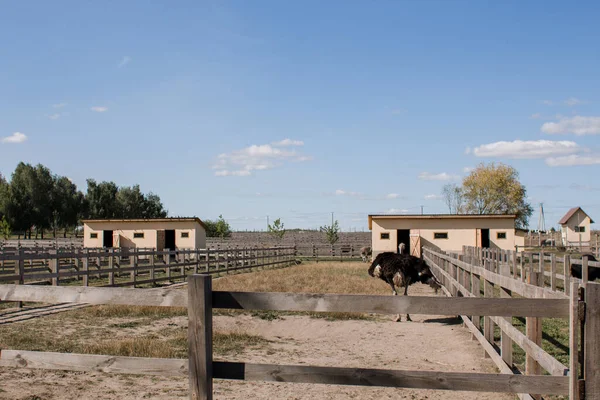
443,232
576,227
161,233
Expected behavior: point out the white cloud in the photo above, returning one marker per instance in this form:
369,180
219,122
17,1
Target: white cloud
254,158
99,109
548,102
578,125
527,149
428,176
468,150
232,173
536,116
16,137
571,102
397,211
59,105
288,142
340,192
466,170
392,196
573,160
432,197
54,116
124,61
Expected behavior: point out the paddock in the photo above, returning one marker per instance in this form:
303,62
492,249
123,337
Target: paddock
301,373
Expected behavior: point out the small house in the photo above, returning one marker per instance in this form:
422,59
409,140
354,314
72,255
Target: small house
447,232
159,233
576,227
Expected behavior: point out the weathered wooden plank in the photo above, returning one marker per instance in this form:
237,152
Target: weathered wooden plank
200,337
557,308
549,363
435,380
592,341
90,362
94,295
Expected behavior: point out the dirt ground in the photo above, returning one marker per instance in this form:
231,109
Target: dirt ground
427,343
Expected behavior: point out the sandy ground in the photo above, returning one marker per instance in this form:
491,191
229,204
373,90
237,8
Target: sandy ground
427,343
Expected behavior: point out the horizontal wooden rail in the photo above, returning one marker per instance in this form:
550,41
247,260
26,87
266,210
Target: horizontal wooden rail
293,301
463,381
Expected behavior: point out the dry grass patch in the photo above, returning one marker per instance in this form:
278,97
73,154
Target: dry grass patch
322,277
122,311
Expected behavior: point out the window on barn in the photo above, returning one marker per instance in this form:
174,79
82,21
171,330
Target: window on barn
440,235
138,235
185,234
580,229
501,235
385,236
93,236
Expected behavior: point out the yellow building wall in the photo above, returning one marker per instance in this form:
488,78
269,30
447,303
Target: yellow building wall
461,232
568,230
123,233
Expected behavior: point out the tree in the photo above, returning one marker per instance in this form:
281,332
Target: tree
67,204
331,232
4,196
21,207
453,197
277,229
5,230
495,189
102,200
219,228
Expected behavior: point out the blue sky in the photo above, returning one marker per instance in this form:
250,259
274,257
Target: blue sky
381,103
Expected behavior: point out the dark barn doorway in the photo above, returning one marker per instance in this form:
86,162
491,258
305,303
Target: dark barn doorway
404,237
485,238
170,239
107,239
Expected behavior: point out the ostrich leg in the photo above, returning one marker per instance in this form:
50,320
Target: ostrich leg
395,293
406,294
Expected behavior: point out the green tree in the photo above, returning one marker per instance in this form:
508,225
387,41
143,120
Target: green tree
495,189
331,232
67,205
102,200
219,228
4,196
153,208
5,230
21,208
277,229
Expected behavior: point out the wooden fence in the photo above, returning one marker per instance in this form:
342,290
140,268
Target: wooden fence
201,369
521,275
131,267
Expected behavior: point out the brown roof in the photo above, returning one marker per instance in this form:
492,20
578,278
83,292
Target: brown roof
570,213
174,219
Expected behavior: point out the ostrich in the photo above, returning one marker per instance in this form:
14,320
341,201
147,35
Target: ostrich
593,272
401,248
402,270
365,252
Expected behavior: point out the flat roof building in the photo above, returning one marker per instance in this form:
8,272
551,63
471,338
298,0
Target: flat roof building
159,233
447,232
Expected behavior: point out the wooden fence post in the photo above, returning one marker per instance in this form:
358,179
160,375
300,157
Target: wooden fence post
200,337
86,267
506,343
553,271
167,264
567,273
207,258
488,291
591,372
111,273
534,326
574,342
55,266
152,270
